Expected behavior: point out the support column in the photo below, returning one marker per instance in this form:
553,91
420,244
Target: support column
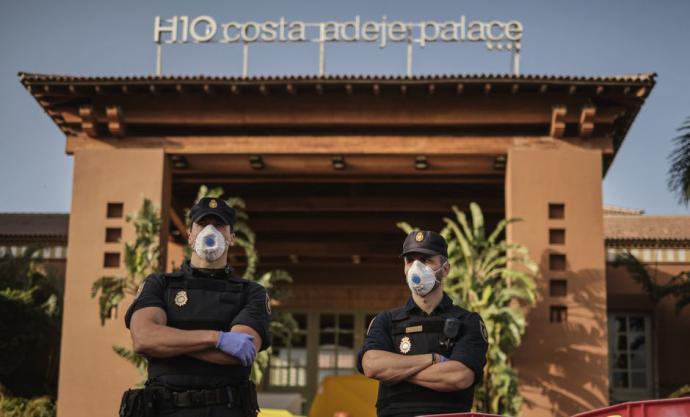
92,376
563,360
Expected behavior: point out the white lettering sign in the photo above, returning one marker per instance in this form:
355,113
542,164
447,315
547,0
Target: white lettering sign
205,29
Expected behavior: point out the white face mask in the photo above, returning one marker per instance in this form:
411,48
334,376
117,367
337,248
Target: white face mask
421,278
209,244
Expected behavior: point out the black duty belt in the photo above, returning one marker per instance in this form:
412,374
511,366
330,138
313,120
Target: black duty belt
197,398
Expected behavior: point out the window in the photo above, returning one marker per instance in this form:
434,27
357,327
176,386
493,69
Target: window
559,314
670,255
557,236
646,255
681,255
111,260
336,345
556,211
611,254
558,288
113,234
557,262
630,356
288,364
115,210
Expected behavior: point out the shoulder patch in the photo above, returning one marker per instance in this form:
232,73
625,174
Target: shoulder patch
141,288
370,323
482,329
268,303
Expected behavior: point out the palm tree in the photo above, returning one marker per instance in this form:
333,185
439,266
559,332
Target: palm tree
679,172
495,279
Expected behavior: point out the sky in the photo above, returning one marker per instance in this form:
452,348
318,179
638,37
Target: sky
583,37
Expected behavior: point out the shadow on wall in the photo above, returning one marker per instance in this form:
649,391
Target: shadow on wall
566,361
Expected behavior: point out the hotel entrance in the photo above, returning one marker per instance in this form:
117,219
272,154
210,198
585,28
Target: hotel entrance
338,238
327,167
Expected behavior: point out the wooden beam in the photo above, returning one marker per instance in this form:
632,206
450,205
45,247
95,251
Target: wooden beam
587,121
368,204
310,223
116,124
430,145
177,221
197,110
558,121
283,178
88,120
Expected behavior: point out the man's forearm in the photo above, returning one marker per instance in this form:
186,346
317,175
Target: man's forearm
393,367
213,355
161,341
445,377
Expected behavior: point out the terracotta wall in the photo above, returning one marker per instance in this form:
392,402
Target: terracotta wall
92,377
563,367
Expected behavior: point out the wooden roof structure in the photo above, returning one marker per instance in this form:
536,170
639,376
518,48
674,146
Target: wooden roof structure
471,106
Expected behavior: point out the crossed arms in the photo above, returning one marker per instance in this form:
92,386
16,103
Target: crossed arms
418,369
152,337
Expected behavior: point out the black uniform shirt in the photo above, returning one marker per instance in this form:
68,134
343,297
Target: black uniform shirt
470,349
214,299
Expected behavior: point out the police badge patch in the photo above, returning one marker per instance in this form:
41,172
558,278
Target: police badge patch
268,304
181,298
482,329
405,345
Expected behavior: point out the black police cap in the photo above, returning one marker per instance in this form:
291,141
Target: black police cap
425,242
213,206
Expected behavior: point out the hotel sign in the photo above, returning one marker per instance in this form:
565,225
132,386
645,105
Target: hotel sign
495,34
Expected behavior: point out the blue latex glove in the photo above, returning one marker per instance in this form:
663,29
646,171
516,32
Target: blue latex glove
239,345
438,358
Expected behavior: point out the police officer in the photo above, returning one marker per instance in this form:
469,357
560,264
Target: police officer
428,354
200,328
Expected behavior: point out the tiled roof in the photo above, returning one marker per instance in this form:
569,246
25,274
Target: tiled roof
34,225
631,227
642,78
613,210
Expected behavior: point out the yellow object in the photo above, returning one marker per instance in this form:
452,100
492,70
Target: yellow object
351,395
272,412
